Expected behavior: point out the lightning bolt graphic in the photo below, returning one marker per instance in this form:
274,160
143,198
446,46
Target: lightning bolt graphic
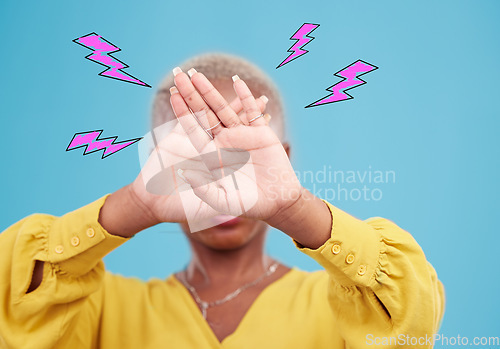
303,38
102,50
350,75
90,141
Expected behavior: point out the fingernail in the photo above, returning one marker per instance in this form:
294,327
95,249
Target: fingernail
176,71
264,99
191,72
236,77
180,173
173,90
267,117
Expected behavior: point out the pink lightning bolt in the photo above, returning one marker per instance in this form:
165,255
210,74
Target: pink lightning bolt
350,75
90,141
102,50
303,38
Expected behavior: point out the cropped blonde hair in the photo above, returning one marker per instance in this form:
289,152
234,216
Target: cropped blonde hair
220,67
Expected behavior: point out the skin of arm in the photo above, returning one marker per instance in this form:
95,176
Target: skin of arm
307,220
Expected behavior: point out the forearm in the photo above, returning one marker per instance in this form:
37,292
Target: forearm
308,220
123,214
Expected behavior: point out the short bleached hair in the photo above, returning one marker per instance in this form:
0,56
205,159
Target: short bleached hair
221,67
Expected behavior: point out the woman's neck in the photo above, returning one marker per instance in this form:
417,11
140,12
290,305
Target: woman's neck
215,267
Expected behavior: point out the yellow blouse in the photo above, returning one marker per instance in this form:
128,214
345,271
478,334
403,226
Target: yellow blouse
377,288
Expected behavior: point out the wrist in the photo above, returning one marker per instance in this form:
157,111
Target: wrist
288,211
307,220
124,214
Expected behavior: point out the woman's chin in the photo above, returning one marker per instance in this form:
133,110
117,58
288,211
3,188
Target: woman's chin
224,237
230,233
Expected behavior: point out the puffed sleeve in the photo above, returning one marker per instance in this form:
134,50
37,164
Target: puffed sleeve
382,290
71,247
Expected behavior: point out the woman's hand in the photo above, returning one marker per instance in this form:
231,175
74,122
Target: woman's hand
235,164
251,174
159,190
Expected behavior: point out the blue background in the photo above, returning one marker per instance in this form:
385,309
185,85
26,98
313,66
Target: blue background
429,113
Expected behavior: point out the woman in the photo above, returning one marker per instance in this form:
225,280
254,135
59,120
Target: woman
376,286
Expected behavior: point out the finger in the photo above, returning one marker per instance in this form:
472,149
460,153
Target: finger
197,135
214,99
248,102
238,107
195,102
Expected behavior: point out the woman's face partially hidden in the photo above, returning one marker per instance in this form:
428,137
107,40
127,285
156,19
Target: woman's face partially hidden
230,235
238,231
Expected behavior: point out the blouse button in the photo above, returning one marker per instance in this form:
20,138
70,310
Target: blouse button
336,249
362,270
349,259
90,232
75,241
59,249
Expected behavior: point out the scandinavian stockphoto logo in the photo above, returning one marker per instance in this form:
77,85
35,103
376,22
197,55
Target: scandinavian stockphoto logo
334,184
167,152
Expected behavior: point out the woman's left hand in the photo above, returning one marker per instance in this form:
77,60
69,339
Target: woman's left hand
246,170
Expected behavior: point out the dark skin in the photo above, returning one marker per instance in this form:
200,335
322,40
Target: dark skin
224,258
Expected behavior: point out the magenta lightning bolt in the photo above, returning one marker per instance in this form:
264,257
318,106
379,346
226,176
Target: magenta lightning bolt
102,50
90,141
350,75
303,38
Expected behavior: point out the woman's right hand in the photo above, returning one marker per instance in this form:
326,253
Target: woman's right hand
158,188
